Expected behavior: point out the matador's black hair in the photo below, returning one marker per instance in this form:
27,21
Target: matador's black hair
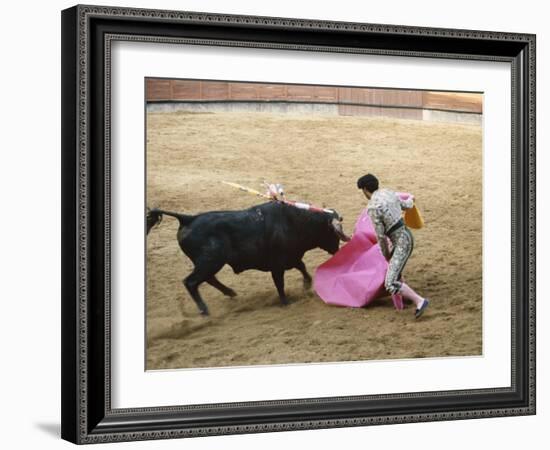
369,182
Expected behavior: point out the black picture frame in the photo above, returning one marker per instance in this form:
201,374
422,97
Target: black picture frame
87,33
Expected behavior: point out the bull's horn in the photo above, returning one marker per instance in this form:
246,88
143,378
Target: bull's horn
337,226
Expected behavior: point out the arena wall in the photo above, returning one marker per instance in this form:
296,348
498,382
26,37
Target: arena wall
224,96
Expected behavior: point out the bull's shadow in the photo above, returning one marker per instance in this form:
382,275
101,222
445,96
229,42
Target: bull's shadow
271,237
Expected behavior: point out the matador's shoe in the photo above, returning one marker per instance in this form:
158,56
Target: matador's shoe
420,311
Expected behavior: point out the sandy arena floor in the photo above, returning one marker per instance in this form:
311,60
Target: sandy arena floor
318,159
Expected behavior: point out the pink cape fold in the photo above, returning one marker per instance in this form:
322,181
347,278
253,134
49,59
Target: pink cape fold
354,276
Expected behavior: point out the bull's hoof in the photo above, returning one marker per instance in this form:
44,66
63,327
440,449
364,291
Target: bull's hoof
204,312
285,302
307,285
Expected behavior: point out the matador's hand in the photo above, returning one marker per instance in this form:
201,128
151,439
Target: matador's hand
384,252
388,249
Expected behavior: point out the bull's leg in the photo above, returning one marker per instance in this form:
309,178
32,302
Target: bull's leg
201,273
192,283
279,280
214,282
307,277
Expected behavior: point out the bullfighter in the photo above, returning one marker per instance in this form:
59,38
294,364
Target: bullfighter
385,211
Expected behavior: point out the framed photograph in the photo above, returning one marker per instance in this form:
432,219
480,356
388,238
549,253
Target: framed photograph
280,224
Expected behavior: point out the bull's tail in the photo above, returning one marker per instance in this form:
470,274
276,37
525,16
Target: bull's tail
154,217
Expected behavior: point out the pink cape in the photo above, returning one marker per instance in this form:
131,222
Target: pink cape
354,276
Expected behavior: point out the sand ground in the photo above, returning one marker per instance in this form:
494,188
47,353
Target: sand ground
317,159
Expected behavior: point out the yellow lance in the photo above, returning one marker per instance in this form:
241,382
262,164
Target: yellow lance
246,189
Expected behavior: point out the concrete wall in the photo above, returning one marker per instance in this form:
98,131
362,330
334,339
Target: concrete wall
315,108
273,107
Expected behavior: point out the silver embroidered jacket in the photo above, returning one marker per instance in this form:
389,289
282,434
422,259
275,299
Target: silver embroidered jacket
385,209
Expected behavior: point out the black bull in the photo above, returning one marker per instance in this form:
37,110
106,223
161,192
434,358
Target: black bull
272,237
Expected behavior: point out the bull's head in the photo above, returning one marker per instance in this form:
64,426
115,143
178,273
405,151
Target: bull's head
335,233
